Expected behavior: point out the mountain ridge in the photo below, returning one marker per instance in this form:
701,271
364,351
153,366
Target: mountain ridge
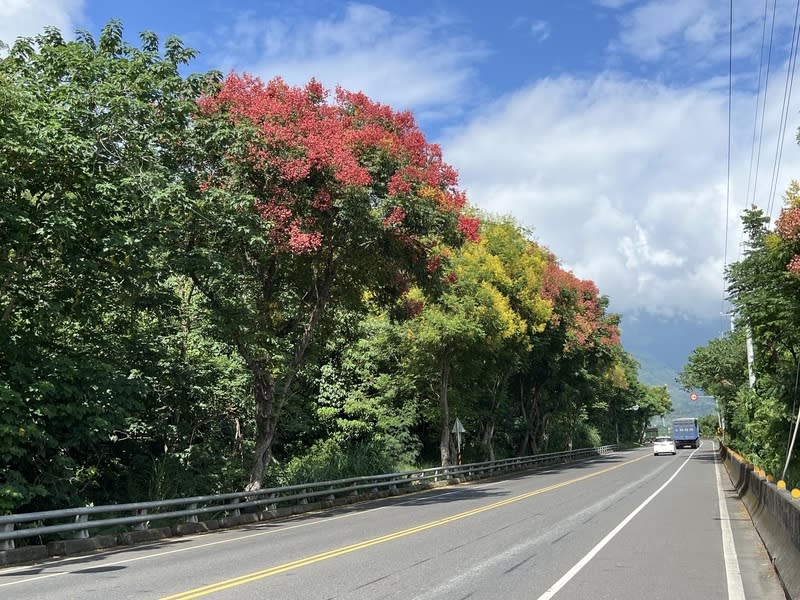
652,372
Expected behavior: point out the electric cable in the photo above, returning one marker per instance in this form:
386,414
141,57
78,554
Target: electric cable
764,104
758,103
784,120
728,189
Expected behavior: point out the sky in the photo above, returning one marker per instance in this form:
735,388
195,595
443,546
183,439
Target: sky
602,126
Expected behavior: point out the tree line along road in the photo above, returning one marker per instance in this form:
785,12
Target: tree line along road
623,526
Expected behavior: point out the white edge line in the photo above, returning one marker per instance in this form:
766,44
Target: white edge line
567,577
732,572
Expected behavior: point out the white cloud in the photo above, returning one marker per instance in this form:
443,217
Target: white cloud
422,64
692,31
638,253
23,18
625,180
540,30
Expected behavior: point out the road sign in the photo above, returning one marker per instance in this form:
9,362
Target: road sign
458,429
693,397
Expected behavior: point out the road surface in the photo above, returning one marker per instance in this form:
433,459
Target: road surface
629,525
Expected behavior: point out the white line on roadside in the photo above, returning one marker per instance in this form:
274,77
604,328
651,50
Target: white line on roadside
567,577
732,572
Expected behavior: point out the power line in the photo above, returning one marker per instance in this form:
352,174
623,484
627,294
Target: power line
764,105
758,101
784,121
730,111
728,186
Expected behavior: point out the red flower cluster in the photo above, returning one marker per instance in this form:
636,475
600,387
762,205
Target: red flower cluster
788,223
585,318
434,263
398,215
469,226
307,151
415,307
298,130
794,265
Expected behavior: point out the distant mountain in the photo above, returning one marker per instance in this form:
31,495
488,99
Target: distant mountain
669,342
662,347
654,373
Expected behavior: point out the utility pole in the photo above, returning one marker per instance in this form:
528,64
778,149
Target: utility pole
751,374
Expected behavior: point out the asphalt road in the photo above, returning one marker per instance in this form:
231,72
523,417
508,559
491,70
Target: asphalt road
624,526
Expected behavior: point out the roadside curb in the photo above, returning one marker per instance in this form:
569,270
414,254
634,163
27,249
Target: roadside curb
775,514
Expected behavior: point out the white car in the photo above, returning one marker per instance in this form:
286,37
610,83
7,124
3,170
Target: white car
663,445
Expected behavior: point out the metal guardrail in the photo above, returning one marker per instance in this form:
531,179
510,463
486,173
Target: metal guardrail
29,525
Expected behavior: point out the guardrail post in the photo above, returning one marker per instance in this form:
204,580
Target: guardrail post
143,524
236,512
81,534
7,544
192,518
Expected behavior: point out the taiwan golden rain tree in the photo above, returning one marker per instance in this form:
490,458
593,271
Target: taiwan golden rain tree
306,202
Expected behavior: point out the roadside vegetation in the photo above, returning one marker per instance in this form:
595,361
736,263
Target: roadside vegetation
213,283
764,292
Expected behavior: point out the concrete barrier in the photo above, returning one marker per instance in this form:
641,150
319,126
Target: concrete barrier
775,514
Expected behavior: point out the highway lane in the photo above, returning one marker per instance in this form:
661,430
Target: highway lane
628,525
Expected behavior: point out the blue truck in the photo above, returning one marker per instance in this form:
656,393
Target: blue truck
686,433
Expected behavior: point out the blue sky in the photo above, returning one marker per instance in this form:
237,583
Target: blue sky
602,125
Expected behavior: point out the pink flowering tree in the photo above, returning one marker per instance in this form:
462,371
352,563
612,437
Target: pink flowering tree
306,201
569,359
787,226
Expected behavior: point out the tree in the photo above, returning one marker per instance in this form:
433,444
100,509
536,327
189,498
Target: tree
764,291
505,270
304,205
90,132
568,361
719,369
623,406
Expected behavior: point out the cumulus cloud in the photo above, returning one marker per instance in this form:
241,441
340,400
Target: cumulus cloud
692,32
22,18
424,64
688,36
625,180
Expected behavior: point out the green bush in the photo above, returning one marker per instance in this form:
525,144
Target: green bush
327,460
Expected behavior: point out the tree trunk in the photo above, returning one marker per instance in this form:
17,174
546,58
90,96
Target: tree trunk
266,425
544,426
269,400
523,445
488,437
489,423
444,440
533,422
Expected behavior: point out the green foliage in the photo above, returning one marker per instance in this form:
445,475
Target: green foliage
329,460
765,294
709,426
173,304
95,365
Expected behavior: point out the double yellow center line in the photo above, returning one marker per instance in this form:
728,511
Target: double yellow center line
296,564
